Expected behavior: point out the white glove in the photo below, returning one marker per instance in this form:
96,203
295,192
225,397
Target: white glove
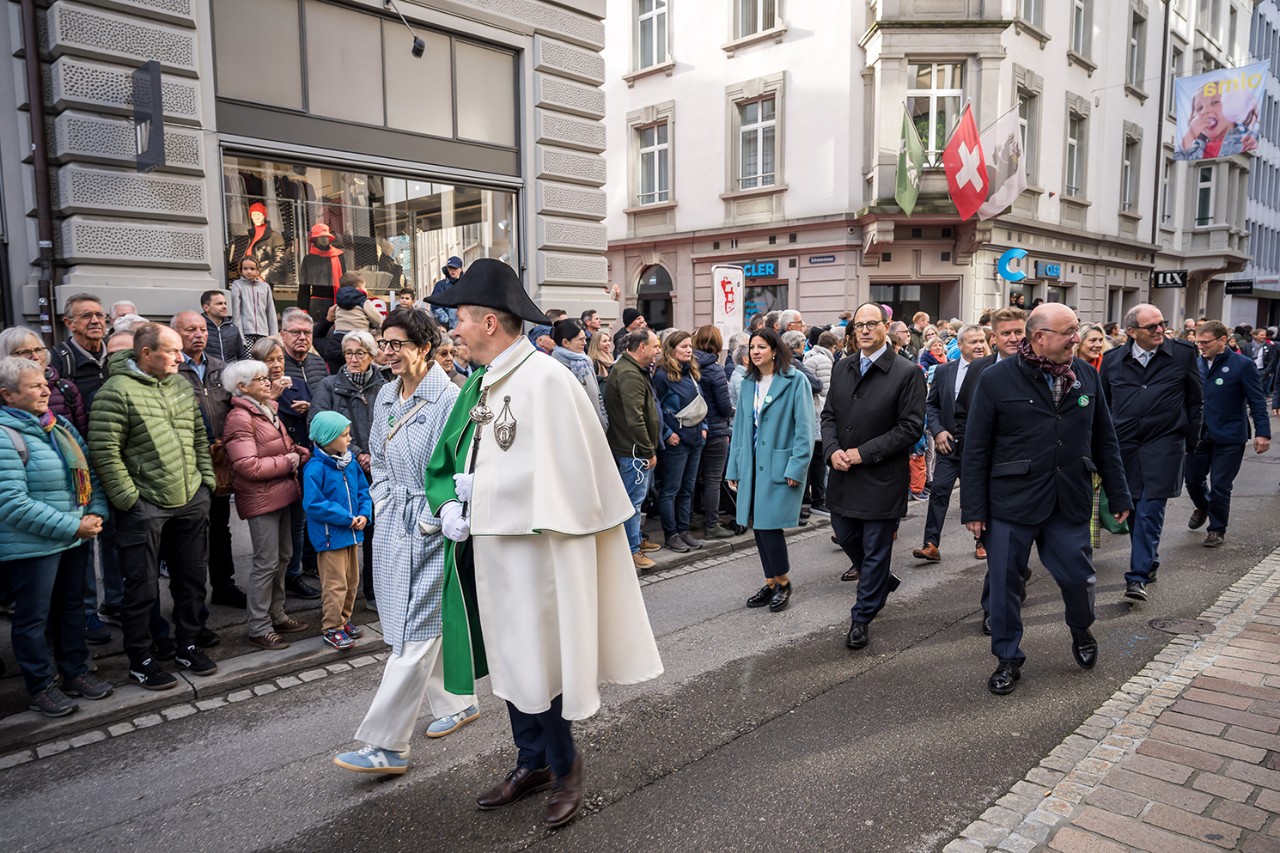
462,486
453,524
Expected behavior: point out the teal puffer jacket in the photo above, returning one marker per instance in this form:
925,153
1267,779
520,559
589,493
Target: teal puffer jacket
38,512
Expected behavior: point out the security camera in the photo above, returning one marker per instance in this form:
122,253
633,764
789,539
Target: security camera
853,229
419,47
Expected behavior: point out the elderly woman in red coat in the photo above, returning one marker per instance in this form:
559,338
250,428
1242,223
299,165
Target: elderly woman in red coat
265,464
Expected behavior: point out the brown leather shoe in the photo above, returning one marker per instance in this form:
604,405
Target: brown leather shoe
519,783
566,798
979,551
271,641
928,552
851,574
291,626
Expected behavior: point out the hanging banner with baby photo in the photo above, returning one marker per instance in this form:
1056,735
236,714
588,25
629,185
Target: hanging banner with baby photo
1219,112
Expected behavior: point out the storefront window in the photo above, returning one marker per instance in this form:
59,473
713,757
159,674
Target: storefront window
763,298
305,225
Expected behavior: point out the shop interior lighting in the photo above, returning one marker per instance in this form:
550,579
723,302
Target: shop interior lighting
419,46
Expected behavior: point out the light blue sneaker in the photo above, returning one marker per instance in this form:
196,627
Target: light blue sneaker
453,722
374,759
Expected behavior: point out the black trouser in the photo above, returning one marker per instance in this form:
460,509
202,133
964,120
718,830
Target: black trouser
946,470
543,739
816,487
772,545
366,571
138,533
222,568
868,543
715,453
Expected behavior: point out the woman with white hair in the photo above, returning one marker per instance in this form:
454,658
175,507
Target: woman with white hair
351,392
50,505
265,463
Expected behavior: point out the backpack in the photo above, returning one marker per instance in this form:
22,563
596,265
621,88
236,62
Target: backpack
19,443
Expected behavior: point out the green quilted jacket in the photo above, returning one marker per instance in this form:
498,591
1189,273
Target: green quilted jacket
147,439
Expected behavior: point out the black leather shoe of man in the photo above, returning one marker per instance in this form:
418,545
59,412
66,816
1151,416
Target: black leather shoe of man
986,624
894,582
1137,590
1198,518
1004,679
851,574
781,595
859,636
519,783
1084,648
763,596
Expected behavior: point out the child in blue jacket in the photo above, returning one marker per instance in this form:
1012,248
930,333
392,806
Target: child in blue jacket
336,501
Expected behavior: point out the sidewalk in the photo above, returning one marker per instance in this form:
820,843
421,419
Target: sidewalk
242,665
1184,757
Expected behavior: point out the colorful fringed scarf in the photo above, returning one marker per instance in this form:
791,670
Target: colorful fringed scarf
71,454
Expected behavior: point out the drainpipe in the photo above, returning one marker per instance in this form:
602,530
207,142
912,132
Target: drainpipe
1160,123
40,157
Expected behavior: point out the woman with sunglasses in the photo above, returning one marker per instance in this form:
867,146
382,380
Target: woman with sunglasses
408,549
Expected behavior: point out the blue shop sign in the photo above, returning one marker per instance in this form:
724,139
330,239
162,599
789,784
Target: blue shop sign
760,269
1048,269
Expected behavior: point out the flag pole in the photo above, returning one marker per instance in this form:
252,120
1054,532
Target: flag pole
1002,115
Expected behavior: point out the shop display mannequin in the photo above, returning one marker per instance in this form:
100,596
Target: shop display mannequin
262,243
322,269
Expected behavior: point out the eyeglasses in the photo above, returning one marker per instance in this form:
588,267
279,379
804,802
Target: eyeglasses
357,353
266,379
90,315
1150,328
1201,343
867,326
29,353
1066,333
297,333
393,346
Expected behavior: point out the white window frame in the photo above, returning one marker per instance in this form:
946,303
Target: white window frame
1029,125
1032,11
1136,55
933,156
656,18
758,129
637,121
650,160
766,12
1204,195
1176,55
736,95
1081,26
1075,158
1130,171
1166,191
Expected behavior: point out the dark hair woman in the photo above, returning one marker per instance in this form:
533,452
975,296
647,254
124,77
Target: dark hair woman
772,434
570,337
707,344
684,412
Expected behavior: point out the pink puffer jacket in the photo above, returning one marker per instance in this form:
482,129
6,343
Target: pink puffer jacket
258,451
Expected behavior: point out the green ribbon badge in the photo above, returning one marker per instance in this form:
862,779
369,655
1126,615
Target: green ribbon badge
1218,381
1082,400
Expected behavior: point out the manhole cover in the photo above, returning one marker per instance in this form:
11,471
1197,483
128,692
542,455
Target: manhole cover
1182,626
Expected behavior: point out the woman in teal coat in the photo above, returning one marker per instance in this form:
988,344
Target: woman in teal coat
769,458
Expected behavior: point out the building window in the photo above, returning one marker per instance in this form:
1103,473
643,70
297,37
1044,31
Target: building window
1032,11
1130,166
755,16
1175,69
1076,126
1166,185
1029,124
1137,51
934,95
1204,196
757,141
651,32
1232,31
655,165
1081,24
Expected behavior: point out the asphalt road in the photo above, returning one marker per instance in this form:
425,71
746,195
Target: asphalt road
765,731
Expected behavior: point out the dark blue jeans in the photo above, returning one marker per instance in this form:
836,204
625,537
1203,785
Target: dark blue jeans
48,595
635,478
1211,472
677,478
1145,524
543,739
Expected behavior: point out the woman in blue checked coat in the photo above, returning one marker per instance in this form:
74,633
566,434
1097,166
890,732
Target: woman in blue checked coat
769,457
408,548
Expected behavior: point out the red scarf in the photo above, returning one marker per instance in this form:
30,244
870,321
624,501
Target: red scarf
259,232
333,253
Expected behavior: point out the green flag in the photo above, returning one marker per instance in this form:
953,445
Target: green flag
910,165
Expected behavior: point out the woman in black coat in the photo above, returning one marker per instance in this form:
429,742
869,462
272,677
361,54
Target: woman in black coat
707,344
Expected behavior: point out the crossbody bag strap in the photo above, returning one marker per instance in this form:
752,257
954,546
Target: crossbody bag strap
407,416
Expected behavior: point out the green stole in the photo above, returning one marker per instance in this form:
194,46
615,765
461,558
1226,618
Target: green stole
462,644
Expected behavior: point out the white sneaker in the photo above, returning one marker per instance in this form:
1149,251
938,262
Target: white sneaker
453,722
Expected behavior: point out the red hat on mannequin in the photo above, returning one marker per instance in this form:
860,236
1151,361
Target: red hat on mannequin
321,230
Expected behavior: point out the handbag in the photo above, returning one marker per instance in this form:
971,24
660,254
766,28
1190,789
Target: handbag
694,413
1108,520
222,471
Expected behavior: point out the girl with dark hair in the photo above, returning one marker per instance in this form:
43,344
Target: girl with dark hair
684,412
773,433
571,344
707,343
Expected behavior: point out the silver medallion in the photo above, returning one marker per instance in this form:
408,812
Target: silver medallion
504,430
481,413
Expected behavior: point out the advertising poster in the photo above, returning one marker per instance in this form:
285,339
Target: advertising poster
727,312
1219,112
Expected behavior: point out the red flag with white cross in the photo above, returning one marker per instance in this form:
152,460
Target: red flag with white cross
966,167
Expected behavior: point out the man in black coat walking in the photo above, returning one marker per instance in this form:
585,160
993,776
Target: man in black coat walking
1038,430
1153,388
873,416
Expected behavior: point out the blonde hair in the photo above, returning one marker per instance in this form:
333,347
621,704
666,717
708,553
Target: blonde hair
669,363
1087,329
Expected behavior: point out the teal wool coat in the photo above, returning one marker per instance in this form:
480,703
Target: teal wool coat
782,449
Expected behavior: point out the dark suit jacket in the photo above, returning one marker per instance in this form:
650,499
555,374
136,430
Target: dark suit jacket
1156,412
882,416
1025,459
1232,384
943,409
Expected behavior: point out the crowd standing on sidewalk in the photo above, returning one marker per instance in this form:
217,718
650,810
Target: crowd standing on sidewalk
365,451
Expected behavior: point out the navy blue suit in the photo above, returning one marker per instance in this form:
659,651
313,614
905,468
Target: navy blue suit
1156,410
947,410
1230,385
1027,466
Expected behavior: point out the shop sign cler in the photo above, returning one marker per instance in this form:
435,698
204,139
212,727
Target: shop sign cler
760,269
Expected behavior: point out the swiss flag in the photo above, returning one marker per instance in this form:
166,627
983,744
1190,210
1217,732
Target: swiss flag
966,167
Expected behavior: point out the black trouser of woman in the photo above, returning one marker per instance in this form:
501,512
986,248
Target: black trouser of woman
715,453
772,545
816,487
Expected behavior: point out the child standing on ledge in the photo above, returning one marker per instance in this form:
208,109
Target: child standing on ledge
336,501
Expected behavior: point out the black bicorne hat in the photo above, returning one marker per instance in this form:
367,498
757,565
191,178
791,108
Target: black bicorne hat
490,283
